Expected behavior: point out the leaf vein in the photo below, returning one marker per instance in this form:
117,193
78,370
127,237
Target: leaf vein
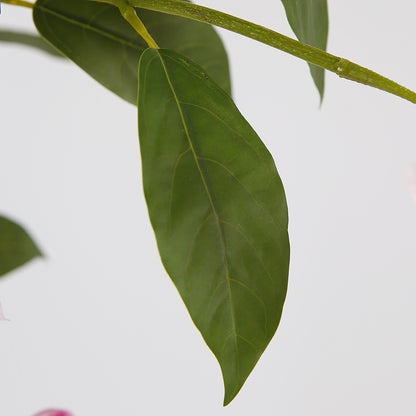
88,26
211,202
175,168
188,260
237,133
238,229
253,293
232,174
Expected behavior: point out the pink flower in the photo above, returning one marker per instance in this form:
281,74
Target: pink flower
53,412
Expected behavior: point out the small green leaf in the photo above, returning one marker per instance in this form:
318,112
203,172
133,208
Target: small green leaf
16,246
217,207
309,20
26,39
97,38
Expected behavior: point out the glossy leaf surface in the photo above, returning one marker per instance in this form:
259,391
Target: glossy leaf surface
26,39
309,20
218,210
16,246
97,38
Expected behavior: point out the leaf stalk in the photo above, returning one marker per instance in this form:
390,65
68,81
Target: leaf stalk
339,66
21,3
129,13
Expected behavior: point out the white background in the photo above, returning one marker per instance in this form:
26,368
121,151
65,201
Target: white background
98,328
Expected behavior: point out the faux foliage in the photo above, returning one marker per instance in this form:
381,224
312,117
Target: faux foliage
215,199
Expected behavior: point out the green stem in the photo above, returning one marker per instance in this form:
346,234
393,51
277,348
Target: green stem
21,3
129,13
340,66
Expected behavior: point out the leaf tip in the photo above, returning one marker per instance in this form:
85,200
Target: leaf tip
229,396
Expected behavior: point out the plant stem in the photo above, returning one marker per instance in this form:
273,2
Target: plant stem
340,66
21,3
129,13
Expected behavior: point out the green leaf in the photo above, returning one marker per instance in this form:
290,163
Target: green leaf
309,20
16,246
26,39
97,38
217,207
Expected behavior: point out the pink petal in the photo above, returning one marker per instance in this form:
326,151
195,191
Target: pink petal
53,412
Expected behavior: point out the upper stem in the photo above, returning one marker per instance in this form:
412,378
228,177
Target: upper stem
340,66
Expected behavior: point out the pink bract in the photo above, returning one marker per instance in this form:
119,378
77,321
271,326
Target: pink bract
53,412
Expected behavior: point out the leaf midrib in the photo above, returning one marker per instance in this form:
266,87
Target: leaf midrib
214,210
89,26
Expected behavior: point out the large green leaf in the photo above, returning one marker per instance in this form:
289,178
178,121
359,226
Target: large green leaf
16,247
218,210
309,21
97,38
34,41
